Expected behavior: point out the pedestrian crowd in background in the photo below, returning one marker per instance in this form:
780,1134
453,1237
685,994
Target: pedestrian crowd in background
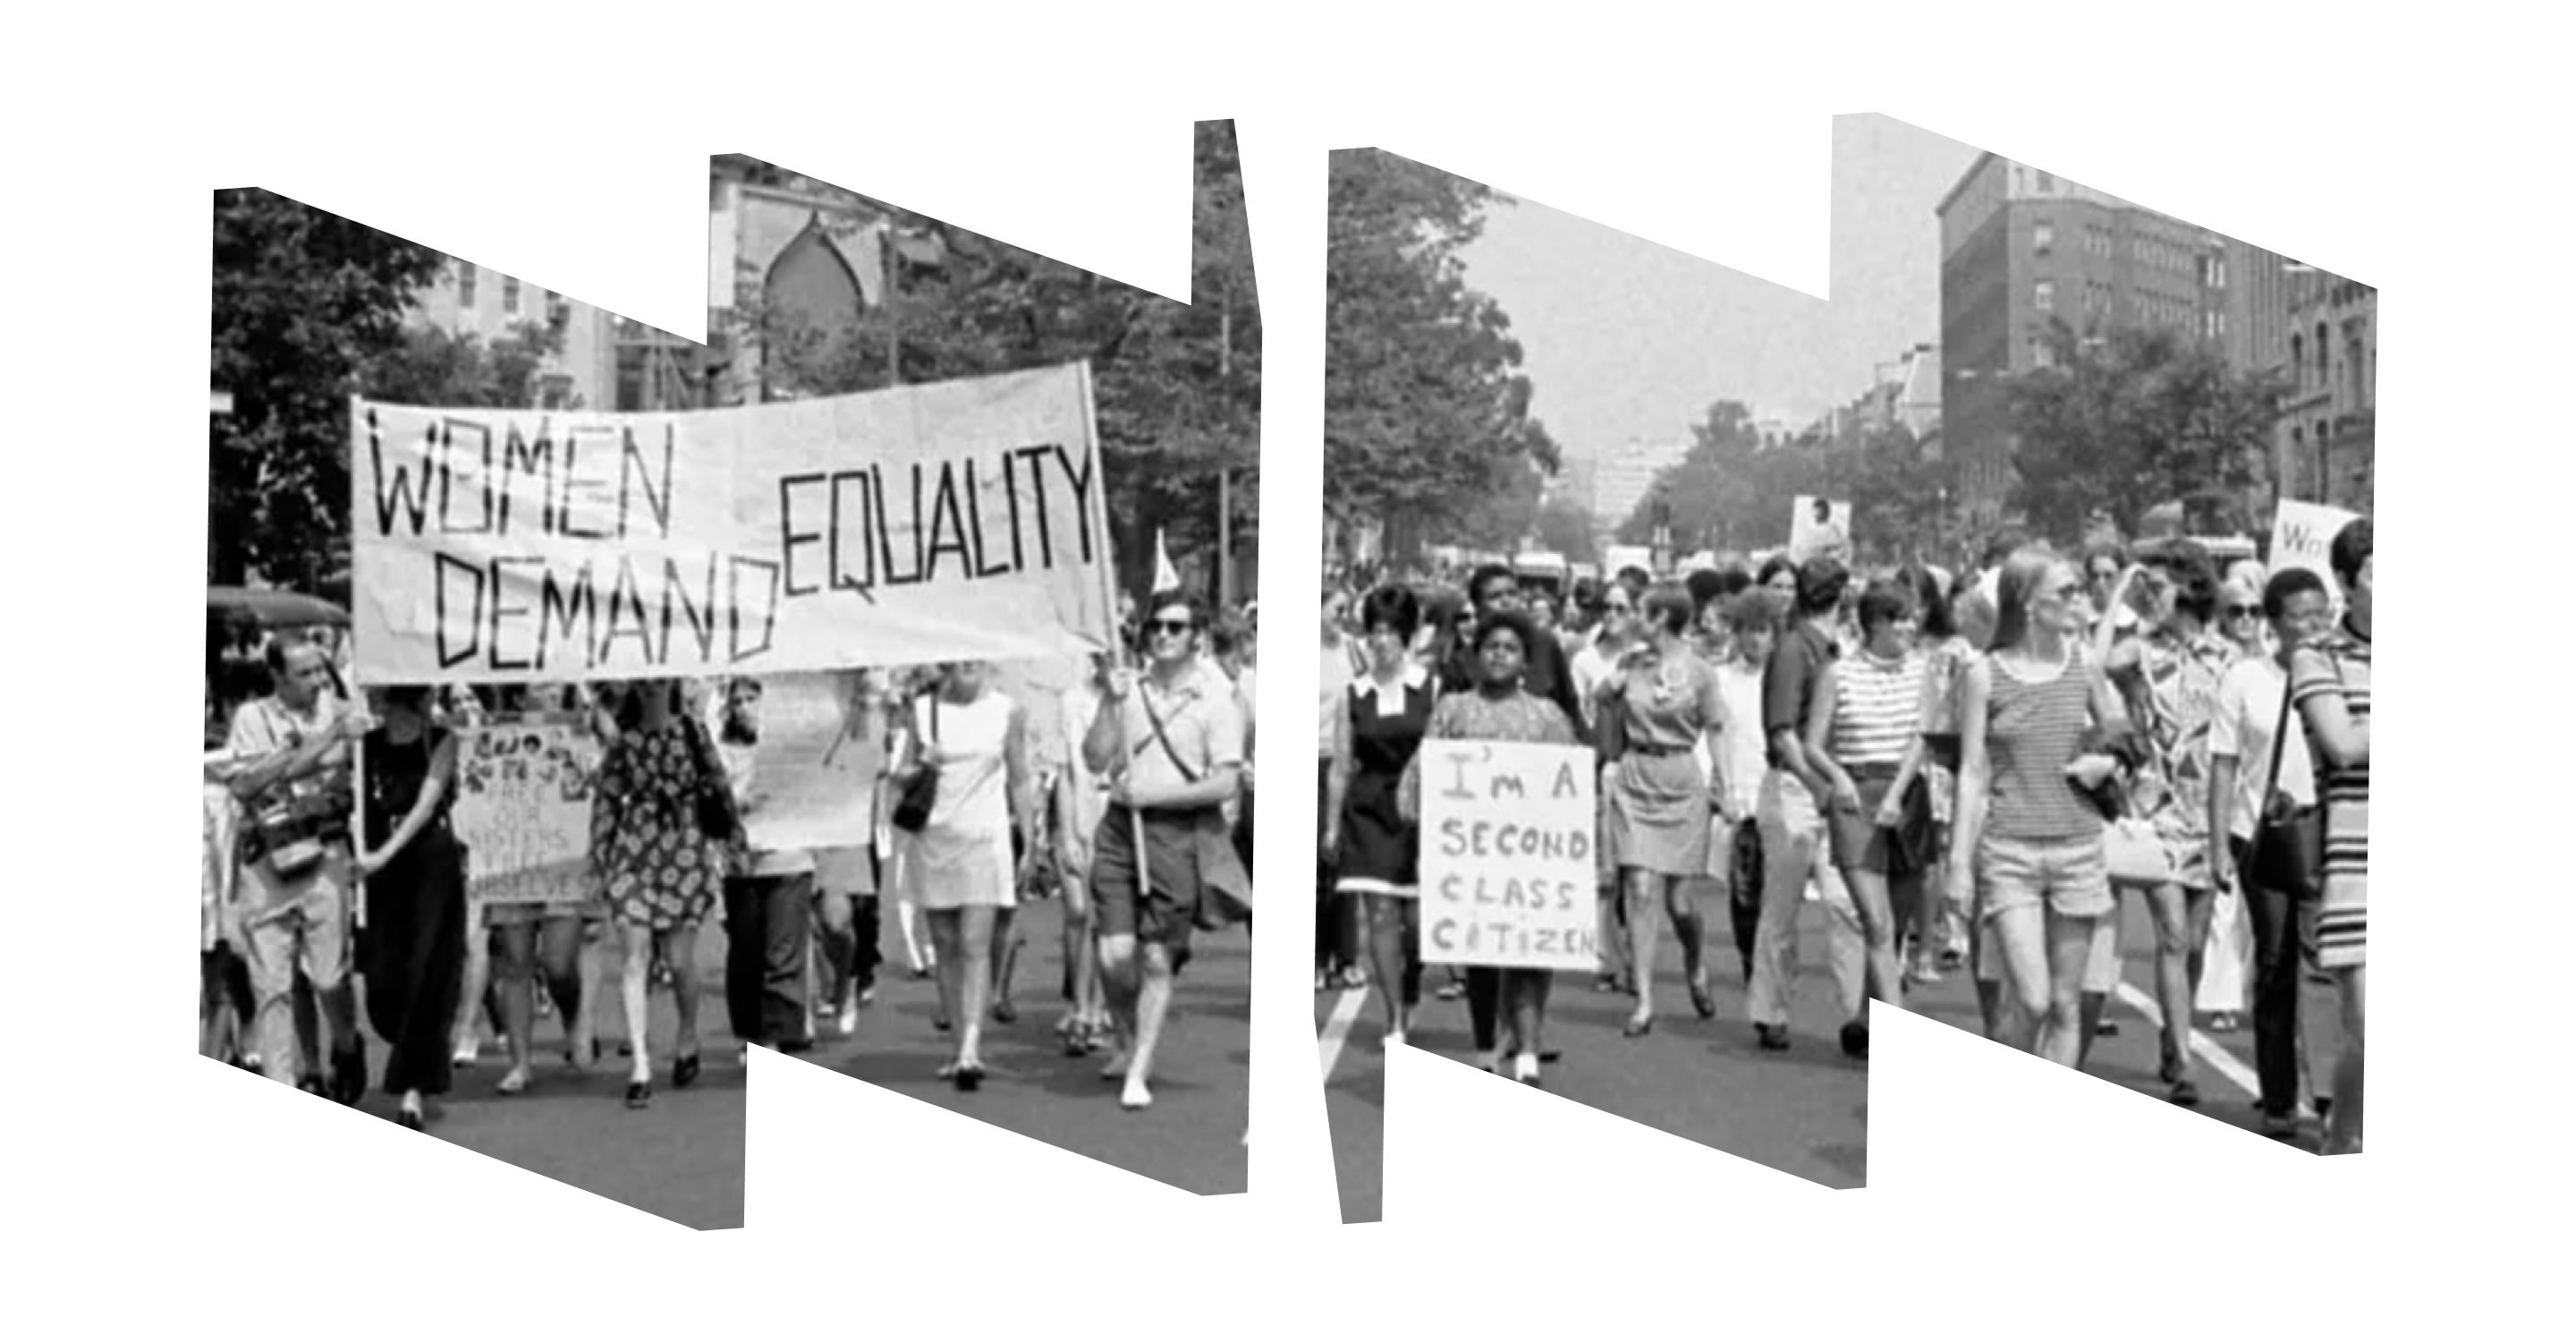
305,912
1966,771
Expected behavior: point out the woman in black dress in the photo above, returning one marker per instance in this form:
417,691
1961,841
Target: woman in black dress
1371,846
415,874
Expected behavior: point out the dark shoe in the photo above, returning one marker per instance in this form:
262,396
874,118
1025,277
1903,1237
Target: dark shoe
1005,1013
638,1095
1641,1024
312,1082
940,1023
349,1076
803,1046
968,1076
1702,1001
2184,1093
1605,983
684,1071
410,1119
2105,1028
1772,1038
1856,1040
1550,1055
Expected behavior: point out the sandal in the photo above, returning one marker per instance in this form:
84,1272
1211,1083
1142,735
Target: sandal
1702,1001
1643,1023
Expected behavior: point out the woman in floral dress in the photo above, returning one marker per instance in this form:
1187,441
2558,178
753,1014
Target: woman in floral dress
658,869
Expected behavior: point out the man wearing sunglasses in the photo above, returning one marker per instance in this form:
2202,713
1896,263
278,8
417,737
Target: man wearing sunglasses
1171,746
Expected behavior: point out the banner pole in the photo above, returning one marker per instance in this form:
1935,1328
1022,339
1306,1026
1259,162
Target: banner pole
1118,645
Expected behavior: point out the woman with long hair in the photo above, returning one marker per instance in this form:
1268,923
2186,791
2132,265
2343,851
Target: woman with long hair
1497,709
2025,835
659,868
1866,741
414,868
960,861
1663,707
1366,838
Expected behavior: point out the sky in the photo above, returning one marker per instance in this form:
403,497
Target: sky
1624,338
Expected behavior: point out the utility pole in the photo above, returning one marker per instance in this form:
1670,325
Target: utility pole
1225,468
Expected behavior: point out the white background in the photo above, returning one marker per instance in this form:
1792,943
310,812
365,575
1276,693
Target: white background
151,1189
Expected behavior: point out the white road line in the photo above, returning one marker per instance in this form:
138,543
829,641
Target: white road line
2228,1065
1337,1027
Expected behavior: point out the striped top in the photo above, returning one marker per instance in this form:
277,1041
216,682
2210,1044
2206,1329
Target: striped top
2346,790
2031,731
1878,706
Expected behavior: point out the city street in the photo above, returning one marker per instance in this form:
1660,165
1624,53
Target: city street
1805,1112
2223,1063
1191,1137
682,1158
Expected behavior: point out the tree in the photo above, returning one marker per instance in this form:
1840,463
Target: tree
436,367
1426,417
304,302
2133,417
1718,495
1177,387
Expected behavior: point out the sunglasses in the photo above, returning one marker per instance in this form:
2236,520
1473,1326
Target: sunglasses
1170,626
2235,612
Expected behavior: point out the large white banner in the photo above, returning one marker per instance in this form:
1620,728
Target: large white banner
1507,862
813,777
950,521
2302,534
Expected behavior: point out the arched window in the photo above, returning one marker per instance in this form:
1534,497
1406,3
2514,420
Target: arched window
2322,351
812,285
2298,361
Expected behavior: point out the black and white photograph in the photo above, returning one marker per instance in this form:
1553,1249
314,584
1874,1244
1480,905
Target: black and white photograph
1913,648
586,706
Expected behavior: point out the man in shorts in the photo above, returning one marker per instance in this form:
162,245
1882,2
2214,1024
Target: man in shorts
297,873
1170,745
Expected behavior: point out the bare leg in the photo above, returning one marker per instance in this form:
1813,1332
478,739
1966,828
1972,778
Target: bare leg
1003,959
1683,909
2343,1126
947,965
977,930
1637,899
513,972
559,958
1153,1004
680,952
1385,920
635,985
478,980
1119,990
2021,938
2070,951
2169,908
1877,918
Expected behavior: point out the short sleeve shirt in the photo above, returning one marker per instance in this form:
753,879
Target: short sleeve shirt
2249,709
1202,720
1789,683
263,727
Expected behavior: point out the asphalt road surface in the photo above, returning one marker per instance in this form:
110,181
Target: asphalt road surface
1192,1135
1804,1112
2222,1062
681,1158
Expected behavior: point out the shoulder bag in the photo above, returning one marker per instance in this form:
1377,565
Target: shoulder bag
2289,847
921,791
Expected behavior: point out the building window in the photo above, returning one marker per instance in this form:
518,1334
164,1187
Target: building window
2047,182
2044,296
510,295
2322,352
2356,372
2042,237
465,278
2298,361
2042,354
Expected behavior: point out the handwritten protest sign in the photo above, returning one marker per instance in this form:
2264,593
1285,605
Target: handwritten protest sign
1819,528
523,811
813,783
2302,534
953,520
1507,862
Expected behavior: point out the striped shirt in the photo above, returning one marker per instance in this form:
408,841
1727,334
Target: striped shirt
2340,919
1878,706
2032,728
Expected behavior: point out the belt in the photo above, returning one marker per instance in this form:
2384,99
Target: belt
1168,815
1875,769
1641,749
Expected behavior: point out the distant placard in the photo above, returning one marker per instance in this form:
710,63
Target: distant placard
523,811
2302,534
1507,860
1820,528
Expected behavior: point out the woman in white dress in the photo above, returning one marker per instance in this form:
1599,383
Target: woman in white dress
959,864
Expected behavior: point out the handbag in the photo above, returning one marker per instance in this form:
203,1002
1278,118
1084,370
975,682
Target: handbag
921,791
2135,853
719,817
2289,850
1909,845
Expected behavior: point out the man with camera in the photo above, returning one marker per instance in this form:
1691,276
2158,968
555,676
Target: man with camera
296,871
